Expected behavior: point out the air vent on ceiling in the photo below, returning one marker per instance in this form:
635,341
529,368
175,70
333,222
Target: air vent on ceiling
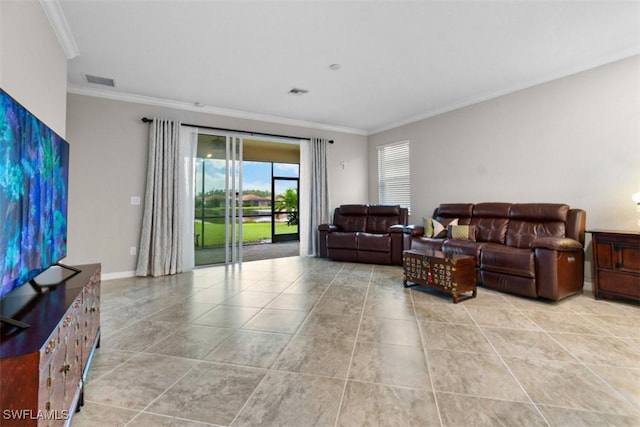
298,91
100,80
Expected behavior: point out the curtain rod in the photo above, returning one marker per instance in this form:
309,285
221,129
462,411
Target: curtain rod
148,120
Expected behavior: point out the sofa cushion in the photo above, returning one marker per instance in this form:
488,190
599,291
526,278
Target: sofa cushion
461,232
354,209
374,242
491,221
463,247
423,243
447,211
507,260
529,221
340,240
384,210
539,212
351,218
381,217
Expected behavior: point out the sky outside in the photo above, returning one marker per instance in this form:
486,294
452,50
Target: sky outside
255,175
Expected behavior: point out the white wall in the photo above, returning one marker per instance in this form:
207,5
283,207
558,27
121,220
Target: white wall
33,66
108,167
575,140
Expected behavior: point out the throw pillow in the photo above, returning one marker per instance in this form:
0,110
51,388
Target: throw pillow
462,232
440,227
428,227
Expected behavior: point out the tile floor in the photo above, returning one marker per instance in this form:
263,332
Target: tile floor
250,252
310,342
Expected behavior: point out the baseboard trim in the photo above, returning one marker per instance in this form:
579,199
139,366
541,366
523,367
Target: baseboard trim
118,275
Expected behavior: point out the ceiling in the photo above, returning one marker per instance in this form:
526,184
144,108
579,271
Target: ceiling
258,150
400,61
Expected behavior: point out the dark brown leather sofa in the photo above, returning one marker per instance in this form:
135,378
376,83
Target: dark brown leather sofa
530,249
364,233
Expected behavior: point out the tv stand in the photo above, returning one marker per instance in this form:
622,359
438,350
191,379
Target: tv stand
44,367
52,282
14,322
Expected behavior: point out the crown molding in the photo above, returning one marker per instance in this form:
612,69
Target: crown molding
58,22
180,105
568,72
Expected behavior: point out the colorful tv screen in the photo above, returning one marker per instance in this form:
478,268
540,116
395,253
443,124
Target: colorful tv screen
34,164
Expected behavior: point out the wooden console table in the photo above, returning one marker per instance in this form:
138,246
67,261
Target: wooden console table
616,264
44,367
451,273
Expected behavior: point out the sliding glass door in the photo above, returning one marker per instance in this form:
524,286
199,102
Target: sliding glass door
218,201
246,199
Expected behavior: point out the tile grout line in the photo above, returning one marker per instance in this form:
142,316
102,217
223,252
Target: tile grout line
286,347
426,355
135,353
170,417
198,363
353,350
144,351
586,365
161,394
504,363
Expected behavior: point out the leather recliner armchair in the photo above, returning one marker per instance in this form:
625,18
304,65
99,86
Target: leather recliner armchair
364,233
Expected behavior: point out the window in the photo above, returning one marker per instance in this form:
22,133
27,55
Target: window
394,184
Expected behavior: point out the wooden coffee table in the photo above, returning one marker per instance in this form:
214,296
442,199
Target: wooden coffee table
451,273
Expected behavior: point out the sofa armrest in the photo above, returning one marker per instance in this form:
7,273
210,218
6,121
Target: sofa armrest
557,244
321,245
409,232
414,230
559,273
398,228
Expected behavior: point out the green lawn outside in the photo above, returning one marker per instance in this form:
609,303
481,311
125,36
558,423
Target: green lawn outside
251,232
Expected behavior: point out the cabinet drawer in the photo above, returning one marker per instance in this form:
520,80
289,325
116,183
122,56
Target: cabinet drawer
619,283
628,258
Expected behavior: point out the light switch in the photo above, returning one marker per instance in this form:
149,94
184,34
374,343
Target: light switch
135,200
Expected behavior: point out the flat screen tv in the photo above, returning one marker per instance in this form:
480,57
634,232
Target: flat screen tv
34,164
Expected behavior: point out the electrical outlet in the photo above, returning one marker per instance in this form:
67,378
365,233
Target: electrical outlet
133,250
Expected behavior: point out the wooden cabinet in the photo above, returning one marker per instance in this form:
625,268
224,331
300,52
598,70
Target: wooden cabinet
43,367
616,264
451,273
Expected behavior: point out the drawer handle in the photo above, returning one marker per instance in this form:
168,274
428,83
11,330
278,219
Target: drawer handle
50,346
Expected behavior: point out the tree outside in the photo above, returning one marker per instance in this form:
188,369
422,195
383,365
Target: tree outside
288,203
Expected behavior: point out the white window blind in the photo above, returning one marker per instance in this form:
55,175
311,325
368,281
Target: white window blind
394,184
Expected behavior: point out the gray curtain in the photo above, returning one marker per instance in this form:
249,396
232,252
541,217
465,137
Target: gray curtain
161,248
320,210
